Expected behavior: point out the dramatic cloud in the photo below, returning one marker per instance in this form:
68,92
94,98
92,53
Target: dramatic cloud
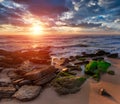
86,14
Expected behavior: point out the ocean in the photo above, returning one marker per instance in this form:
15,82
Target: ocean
62,46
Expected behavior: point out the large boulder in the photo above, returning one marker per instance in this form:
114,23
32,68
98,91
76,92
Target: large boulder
40,73
7,92
68,84
27,93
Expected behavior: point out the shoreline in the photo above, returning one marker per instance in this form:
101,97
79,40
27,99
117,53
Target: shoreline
88,93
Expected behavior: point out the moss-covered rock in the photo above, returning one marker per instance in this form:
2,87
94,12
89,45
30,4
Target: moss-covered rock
103,66
95,68
91,67
68,84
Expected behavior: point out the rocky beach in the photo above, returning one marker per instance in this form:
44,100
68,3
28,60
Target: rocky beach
34,77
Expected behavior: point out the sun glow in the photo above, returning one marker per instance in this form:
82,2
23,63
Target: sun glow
37,29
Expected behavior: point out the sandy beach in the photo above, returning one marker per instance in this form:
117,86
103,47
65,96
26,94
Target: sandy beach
88,93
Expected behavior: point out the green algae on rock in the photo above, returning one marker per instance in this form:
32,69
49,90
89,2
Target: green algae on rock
95,68
68,84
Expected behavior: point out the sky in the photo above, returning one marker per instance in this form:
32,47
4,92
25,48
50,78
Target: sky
60,16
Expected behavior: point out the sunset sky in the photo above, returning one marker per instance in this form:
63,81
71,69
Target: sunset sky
59,17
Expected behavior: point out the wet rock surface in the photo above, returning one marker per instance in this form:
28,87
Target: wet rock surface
7,92
22,73
27,93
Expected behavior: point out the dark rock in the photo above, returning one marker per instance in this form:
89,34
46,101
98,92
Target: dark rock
13,75
76,67
78,56
103,92
25,82
7,92
111,72
1,68
114,55
21,82
83,53
64,61
81,62
101,52
72,58
98,58
27,93
45,79
3,84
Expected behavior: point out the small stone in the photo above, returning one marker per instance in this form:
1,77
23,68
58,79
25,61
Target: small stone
111,72
103,92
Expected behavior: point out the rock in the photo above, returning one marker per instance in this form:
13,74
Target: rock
114,55
39,73
45,79
78,56
13,76
7,92
68,84
25,82
27,93
4,82
98,58
40,61
101,52
63,74
95,67
88,55
76,67
111,72
24,68
11,60
1,68
103,92
62,61
21,82
72,58
81,62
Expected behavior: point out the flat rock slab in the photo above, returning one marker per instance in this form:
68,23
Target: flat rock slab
27,93
6,92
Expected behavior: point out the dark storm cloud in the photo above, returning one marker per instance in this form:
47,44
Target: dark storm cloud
45,7
86,25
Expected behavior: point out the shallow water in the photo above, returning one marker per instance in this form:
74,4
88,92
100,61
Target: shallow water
62,46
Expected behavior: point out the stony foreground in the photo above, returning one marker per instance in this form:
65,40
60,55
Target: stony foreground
25,74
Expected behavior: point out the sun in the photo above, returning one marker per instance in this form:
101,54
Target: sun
37,29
